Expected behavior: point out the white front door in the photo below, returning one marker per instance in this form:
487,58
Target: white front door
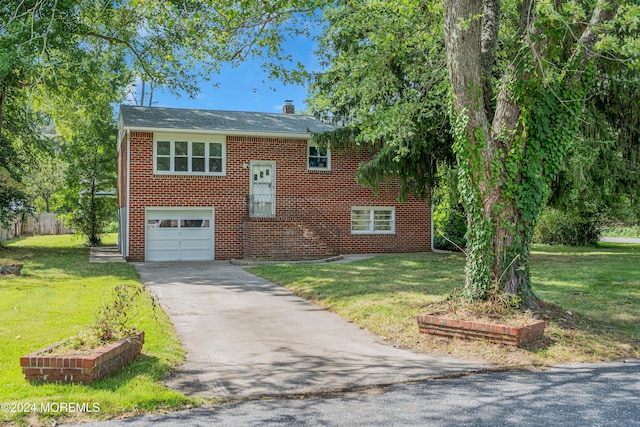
263,189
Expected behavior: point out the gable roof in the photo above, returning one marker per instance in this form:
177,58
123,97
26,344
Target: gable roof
218,121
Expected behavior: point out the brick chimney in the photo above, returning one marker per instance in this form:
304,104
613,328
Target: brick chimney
288,107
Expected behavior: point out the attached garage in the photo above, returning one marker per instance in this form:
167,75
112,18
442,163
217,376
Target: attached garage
179,234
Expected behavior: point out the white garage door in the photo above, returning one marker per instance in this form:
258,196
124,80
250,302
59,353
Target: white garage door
179,235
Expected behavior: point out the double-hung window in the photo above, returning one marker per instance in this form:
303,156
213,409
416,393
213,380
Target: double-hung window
318,159
373,220
186,156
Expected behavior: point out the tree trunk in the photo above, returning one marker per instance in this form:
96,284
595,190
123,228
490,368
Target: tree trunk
494,260
506,167
94,239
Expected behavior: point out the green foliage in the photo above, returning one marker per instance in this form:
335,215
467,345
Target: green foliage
385,294
63,63
44,181
449,218
57,296
112,227
113,320
481,229
385,82
602,165
11,199
91,216
450,228
571,228
621,231
507,167
90,150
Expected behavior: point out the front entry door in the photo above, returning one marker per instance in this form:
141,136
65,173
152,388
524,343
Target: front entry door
263,189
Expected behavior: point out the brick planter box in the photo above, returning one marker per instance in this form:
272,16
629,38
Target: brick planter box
41,365
497,333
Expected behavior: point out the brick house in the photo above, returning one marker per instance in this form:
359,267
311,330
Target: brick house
204,185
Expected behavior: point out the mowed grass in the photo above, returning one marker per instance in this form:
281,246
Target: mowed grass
56,297
598,290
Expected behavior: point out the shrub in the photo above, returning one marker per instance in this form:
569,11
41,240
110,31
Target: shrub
572,228
113,321
450,229
112,227
621,231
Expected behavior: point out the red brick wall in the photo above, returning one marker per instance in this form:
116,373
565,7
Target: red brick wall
332,193
282,239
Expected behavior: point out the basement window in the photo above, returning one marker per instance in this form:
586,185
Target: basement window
373,220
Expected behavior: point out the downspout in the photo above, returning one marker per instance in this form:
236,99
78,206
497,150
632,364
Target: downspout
431,218
126,211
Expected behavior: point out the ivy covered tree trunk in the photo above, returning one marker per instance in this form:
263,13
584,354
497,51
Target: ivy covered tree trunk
510,146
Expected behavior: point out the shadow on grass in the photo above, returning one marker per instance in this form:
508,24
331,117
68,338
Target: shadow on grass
72,262
428,274
595,292
143,365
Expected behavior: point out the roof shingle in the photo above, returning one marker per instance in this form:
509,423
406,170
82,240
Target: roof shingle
134,117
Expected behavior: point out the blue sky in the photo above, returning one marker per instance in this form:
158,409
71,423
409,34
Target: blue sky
246,87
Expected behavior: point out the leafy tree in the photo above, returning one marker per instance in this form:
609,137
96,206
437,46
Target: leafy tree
170,44
449,219
517,103
85,125
11,197
521,78
386,84
44,180
55,50
601,172
14,143
91,153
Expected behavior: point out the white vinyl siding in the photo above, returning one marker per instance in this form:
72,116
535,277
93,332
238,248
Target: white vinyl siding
189,156
373,220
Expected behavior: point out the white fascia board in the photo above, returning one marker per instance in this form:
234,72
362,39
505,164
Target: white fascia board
224,132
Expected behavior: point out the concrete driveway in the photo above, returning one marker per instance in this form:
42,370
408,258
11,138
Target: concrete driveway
248,337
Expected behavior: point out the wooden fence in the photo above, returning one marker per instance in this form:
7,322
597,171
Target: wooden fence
41,224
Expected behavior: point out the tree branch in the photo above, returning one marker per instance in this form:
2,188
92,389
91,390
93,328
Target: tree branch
603,12
127,44
489,40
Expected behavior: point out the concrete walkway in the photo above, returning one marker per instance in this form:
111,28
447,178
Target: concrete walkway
247,337
630,240
105,254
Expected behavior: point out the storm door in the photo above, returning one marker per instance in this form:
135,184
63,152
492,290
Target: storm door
263,189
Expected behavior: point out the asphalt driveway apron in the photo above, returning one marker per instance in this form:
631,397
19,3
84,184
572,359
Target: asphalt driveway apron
247,337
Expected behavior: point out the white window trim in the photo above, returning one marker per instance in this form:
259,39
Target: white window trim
190,139
328,168
372,210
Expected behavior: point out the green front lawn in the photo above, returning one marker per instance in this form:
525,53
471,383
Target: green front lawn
598,289
56,297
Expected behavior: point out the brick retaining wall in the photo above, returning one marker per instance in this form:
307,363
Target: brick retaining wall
41,365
